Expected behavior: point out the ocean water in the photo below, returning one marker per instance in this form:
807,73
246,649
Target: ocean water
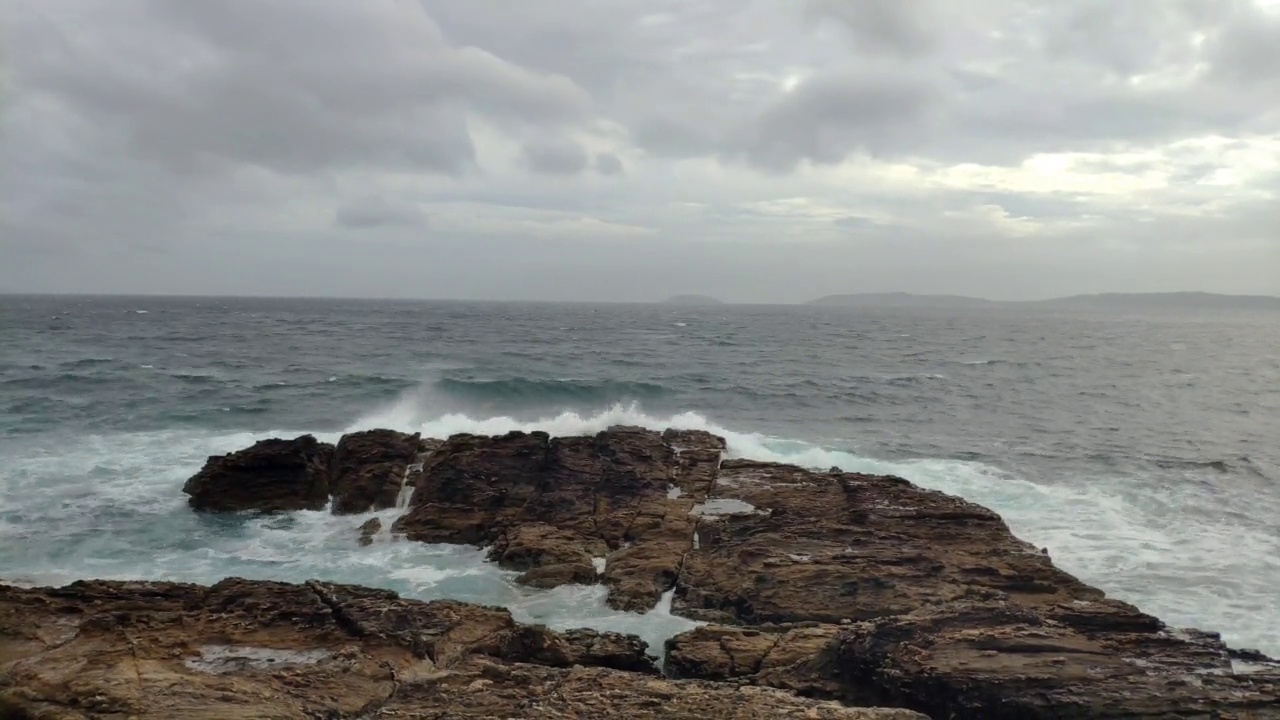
1141,451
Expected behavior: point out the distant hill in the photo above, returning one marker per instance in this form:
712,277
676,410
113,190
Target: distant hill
1104,301
1167,301
692,300
901,300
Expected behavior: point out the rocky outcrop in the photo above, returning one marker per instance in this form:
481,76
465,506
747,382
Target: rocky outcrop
858,589
271,476
366,471
557,508
790,545
985,660
369,469
871,590
254,650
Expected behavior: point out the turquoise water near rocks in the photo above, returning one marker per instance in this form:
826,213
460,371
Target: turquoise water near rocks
1140,450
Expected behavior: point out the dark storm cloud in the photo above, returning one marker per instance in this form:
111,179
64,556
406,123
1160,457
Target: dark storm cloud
998,147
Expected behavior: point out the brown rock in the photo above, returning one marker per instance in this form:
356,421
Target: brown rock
831,546
958,618
802,659
718,653
986,660
369,468
368,529
1000,660
482,689
271,476
248,650
551,507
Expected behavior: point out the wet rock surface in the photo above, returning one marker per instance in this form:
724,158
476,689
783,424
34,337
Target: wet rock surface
253,649
857,589
365,472
369,468
273,475
549,507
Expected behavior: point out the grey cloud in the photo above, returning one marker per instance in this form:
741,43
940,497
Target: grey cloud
1246,50
668,136
853,222
375,212
828,119
608,164
883,26
295,85
151,145
555,156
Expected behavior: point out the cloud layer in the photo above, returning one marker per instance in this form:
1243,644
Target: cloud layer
620,150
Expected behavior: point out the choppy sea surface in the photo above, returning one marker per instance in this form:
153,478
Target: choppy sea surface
1141,451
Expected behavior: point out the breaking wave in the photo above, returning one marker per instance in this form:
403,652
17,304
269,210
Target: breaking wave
529,392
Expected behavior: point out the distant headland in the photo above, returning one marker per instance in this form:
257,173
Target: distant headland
1104,301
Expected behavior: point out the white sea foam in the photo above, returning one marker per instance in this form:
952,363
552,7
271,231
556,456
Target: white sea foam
111,507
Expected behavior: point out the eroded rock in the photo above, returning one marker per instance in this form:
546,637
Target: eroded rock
983,660
482,689
551,507
369,468
270,476
261,650
826,547
366,471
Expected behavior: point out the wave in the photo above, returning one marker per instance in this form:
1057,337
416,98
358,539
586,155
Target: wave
526,391
67,381
750,445
914,378
1243,464
357,382
196,378
86,363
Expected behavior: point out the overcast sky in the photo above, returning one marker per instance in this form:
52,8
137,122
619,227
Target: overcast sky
757,150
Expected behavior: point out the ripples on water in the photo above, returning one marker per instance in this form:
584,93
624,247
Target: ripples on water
1139,450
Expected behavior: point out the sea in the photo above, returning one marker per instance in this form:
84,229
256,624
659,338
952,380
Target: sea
1142,451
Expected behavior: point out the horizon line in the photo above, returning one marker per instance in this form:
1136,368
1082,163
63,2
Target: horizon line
663,301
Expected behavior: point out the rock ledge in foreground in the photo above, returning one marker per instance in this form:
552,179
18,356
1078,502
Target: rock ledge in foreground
102,650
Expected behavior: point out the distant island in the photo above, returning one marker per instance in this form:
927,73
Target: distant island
692,300
1104,301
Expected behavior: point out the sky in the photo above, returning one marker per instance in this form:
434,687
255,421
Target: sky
628,150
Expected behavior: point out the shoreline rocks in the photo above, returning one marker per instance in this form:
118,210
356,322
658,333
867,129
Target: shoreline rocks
273,475
366,471
846,588
264,650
